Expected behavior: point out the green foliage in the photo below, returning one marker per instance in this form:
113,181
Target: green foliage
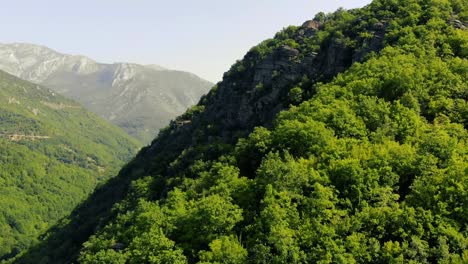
369,167
42,179
191,112
224,250
295,95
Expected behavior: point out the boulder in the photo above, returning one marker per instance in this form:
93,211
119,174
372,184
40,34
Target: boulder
311,24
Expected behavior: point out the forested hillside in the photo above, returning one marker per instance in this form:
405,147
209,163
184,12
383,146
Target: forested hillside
53,153
343,140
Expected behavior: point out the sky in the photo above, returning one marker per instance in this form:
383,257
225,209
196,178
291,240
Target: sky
204,37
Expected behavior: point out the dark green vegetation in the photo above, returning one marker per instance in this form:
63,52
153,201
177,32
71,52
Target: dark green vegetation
53,153
366,164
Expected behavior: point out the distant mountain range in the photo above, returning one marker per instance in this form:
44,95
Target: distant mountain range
141,99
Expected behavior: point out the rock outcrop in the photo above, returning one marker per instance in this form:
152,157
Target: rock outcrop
254,96
458,24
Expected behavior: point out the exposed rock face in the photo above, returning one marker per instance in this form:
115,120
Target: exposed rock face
140,99
458,24
256,95
374,42
242,105
309,28
36,63
238,105
336,57
311,24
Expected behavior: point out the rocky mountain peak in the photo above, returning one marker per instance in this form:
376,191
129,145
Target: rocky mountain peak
36,63
124,72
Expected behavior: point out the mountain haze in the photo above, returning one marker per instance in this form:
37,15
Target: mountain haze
141,99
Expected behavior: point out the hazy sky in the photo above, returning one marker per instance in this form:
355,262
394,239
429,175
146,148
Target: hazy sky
201,36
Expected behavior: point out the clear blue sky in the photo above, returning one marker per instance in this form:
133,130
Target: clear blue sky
201,36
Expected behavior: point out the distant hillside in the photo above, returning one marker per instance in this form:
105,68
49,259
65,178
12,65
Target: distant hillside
53,153
140,99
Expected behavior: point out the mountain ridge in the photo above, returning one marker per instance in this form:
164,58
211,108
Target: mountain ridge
15,49
139,98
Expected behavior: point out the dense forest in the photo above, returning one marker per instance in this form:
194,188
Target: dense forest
343,140
53,153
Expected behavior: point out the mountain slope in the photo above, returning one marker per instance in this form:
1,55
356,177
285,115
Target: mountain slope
53,153
140,99
366,164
